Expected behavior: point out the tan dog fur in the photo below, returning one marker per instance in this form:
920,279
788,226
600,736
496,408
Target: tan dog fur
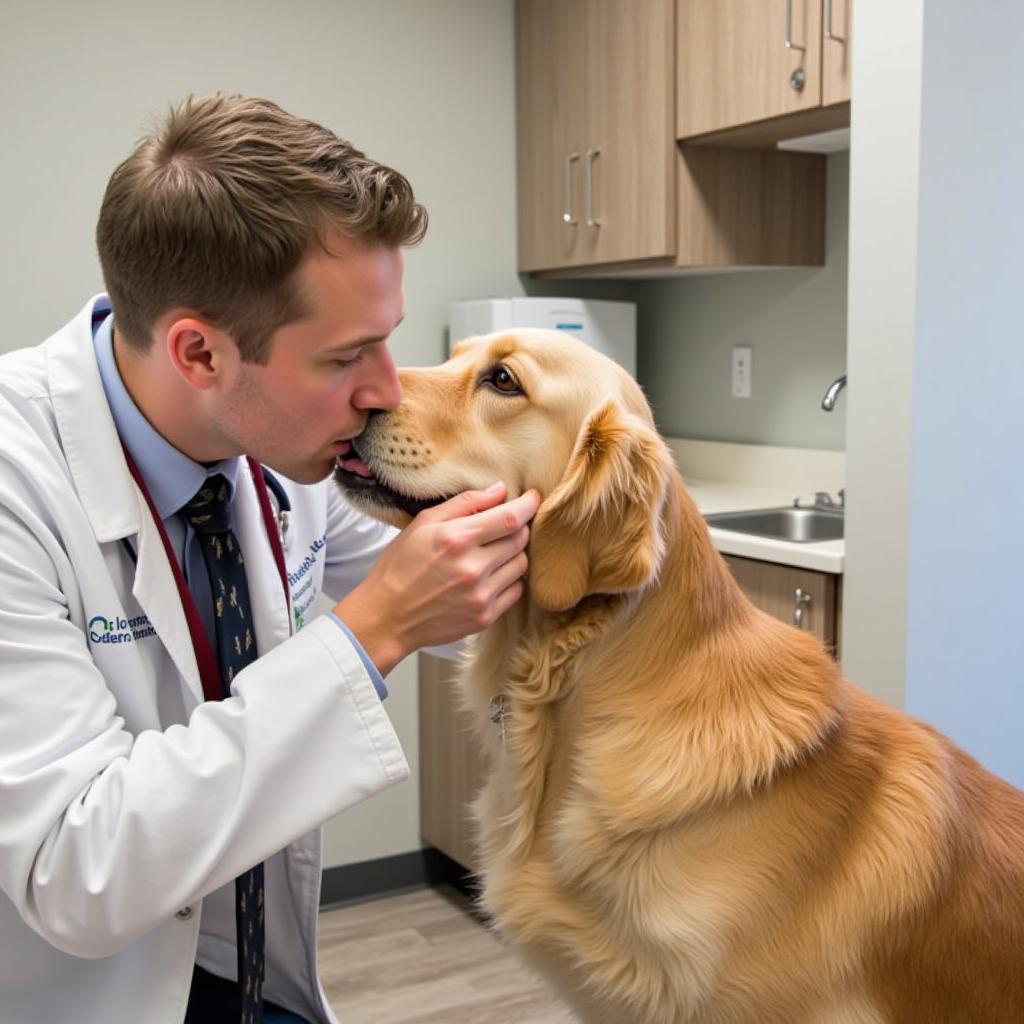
693,817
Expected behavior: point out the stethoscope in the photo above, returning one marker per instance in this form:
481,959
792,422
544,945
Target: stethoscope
281,501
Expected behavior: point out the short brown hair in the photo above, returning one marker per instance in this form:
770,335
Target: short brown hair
216,209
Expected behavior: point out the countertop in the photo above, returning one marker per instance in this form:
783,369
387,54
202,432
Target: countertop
717,496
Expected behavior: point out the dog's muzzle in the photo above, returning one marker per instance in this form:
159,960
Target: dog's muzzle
355,475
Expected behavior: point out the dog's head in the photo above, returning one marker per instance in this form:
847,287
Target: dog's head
536,409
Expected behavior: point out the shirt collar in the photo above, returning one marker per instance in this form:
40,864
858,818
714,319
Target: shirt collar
171,476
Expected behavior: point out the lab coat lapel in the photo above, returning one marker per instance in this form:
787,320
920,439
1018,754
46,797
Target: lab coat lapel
157,594
110,497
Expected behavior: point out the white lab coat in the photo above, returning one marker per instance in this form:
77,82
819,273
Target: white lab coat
124,798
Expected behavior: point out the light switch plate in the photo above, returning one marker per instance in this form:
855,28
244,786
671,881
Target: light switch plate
742,359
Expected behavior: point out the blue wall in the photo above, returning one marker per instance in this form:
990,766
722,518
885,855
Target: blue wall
965,629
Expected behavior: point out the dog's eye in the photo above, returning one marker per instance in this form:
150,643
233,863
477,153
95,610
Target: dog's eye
502,379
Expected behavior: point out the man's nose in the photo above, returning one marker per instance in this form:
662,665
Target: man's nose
380,387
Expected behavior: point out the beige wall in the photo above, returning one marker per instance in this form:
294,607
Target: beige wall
425,86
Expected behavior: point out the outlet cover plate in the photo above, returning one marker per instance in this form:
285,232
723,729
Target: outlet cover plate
742,360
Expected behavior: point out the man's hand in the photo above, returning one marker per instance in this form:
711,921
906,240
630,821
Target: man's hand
453,570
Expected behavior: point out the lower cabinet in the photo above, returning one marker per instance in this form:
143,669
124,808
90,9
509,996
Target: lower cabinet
452,766
802,597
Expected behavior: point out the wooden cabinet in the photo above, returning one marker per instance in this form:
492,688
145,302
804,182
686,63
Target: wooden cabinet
753,71
596,171
750,208
734,66
452,766
802,597
602,182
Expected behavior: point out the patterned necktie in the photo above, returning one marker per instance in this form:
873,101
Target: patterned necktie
208,515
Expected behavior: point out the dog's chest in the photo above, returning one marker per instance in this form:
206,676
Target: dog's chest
593,911
648,960
566,889
651,922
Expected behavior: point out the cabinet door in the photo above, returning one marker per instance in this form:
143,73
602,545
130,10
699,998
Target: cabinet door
733,64
837,38
629,158
550,115
773,588
451,764
596,167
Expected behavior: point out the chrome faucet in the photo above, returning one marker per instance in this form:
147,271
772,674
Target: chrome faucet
828,403
822,499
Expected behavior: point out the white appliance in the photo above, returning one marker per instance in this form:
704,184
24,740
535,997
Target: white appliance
610,327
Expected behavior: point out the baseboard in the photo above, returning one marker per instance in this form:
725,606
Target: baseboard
388,876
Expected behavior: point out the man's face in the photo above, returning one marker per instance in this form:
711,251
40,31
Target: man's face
325,372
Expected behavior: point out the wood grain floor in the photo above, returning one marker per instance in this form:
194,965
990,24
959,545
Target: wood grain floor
420,957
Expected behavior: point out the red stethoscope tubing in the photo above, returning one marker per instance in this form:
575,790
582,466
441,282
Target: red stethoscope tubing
206,659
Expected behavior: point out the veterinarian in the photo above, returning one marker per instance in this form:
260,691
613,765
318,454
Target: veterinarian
176,719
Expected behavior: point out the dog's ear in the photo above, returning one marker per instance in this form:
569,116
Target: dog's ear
599,531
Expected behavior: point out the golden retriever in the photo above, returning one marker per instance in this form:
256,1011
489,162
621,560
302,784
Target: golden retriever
690,816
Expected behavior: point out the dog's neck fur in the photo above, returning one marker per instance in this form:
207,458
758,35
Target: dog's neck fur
705,750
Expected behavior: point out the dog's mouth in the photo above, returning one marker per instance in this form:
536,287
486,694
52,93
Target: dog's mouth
356,477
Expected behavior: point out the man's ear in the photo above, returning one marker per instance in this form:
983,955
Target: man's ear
198,351
599,531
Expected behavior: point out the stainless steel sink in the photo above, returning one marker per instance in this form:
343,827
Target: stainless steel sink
802,525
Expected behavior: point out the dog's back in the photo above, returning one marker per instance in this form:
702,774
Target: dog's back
960,957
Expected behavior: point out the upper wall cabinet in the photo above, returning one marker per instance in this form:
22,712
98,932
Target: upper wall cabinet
774,68
602,182
596,153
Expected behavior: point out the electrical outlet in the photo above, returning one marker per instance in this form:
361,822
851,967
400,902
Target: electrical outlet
742,358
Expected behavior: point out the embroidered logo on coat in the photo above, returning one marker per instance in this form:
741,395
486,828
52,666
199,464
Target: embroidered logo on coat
119,630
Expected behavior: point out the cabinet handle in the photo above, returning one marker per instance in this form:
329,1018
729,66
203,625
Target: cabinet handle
790,45
588,188
567,216
801,600
828,20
